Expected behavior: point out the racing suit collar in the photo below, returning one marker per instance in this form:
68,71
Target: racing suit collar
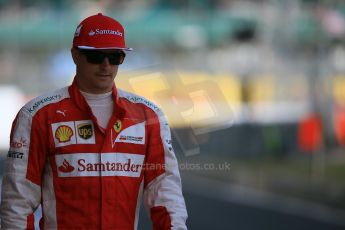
81,103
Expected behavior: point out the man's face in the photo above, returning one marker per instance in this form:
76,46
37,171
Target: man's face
94,78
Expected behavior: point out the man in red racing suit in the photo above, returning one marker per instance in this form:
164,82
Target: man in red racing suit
86,176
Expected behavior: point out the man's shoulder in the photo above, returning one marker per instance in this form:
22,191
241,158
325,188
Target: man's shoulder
136,99
45,99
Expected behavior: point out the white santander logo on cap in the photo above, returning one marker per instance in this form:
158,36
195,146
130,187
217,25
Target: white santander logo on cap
91,33
105,32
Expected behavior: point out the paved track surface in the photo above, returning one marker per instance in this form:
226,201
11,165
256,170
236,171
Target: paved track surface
205,214
217,206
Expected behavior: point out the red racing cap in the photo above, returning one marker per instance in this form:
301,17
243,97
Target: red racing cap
100,32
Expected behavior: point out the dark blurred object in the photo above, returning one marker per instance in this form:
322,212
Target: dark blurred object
245,31
248,140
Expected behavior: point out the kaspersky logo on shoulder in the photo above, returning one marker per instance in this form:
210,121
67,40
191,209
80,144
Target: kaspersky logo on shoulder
105,32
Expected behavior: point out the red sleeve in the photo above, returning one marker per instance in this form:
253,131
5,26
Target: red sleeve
162,184
21,190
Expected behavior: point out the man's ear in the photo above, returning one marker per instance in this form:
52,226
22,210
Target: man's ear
75,55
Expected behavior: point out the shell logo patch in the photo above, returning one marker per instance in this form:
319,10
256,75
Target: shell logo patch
63,133
118,126
73,132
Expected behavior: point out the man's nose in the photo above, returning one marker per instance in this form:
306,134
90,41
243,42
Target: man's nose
105,62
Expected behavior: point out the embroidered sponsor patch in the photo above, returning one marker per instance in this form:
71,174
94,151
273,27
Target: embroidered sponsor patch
66,167
95,164
40,102
138,99
104,32
131,139
86,132
73,132
118,126
63,133
14,154
18,144
134,134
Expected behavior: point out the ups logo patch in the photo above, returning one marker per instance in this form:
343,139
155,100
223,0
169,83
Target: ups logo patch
85,131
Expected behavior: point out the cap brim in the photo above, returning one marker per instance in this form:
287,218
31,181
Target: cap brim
104,48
